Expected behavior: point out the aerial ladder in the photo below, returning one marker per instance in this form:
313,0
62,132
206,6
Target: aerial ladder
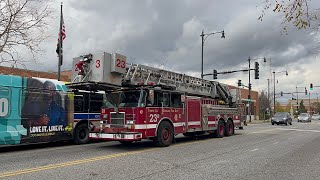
105,71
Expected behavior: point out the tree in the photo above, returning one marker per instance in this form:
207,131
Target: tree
295,12
264,105
22,25
279,108
302,107
263,102
316,107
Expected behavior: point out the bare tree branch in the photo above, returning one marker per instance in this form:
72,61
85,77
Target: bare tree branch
22,26
295,12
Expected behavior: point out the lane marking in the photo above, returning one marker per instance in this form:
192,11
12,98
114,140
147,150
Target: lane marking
266,130
93,159
276,142
254,150
302,130
99,158
70,163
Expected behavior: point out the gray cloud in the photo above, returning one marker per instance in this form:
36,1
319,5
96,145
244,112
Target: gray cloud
167,33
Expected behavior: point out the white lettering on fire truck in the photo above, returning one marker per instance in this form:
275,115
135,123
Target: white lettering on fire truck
154,118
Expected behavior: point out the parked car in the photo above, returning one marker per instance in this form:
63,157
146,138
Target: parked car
304,117
315,117
281,118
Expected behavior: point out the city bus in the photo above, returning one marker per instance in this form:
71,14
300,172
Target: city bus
35,110
87,107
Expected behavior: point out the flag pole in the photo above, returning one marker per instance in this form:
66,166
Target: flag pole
60,45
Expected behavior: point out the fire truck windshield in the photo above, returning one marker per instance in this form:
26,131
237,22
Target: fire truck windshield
132,98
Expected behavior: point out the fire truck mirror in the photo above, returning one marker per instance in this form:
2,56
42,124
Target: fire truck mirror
183,98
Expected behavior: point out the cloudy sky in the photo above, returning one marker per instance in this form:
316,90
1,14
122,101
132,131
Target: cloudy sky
166,33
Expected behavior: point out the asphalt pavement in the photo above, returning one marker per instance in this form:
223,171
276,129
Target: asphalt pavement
260,151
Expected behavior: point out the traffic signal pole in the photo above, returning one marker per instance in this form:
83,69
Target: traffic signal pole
256,69
249,95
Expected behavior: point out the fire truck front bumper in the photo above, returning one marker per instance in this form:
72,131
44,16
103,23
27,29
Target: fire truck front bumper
124,136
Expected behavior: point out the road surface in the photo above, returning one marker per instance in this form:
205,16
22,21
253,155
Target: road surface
261,151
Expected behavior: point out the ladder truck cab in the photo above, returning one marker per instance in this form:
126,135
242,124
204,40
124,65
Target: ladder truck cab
143,102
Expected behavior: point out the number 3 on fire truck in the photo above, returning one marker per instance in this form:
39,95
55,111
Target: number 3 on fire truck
154,117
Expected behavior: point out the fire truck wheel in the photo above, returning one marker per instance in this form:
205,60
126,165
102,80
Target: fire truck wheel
229,129
164,134
126,142
219,133
81,134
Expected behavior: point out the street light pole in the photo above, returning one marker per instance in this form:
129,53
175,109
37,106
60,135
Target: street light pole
274,92
249,96
268,94
202,41
297,100
203,38
274,89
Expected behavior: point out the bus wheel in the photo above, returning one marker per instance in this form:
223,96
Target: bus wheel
229,129
81,134
164,134
219,133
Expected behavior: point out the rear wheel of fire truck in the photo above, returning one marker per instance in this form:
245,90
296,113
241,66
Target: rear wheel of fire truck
81,134
164,134
229,129
219,133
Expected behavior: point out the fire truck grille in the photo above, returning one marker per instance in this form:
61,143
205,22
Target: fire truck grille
117,119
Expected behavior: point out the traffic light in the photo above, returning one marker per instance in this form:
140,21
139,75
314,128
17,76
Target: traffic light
281,93
250,86
311,86
306,91
239,82
256,70
249,98
215,73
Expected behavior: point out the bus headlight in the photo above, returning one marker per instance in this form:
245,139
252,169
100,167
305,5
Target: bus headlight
130,122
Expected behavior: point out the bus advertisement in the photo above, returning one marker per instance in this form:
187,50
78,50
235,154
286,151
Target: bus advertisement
34,110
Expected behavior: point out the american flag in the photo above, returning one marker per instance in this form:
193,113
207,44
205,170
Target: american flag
63,35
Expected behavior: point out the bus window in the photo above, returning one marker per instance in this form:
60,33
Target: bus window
96,102
78,103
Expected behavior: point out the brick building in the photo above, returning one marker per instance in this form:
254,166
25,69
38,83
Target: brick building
254,101
30,73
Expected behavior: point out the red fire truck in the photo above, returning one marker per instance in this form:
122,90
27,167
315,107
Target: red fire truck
157,104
